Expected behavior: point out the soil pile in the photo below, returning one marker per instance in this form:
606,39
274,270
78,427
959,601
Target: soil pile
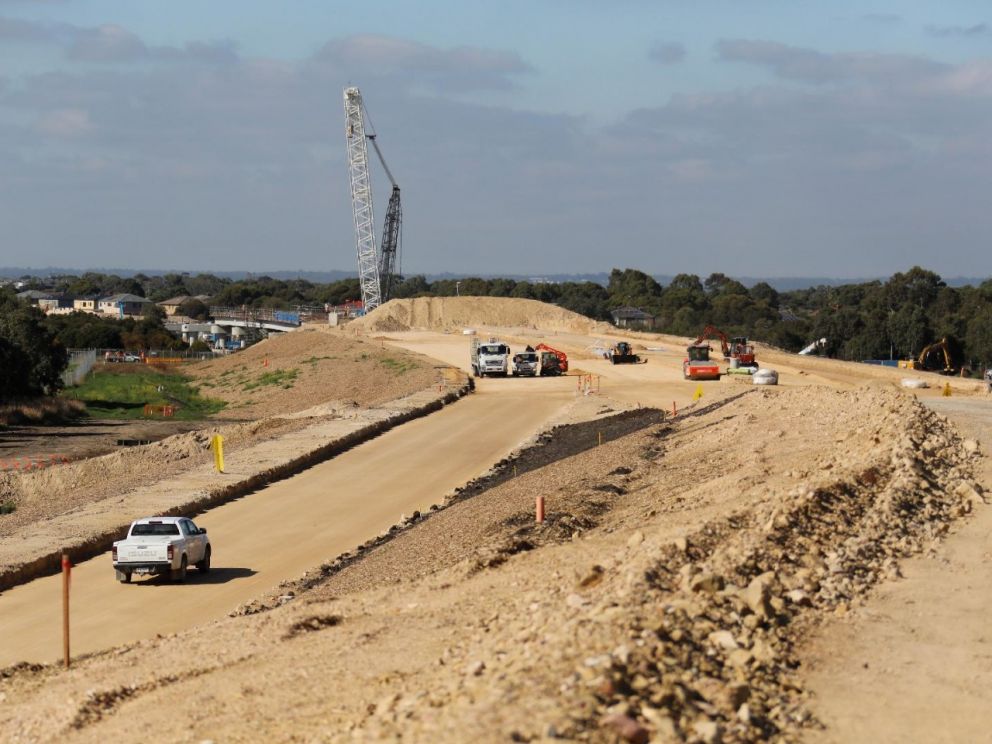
294,371
662,599
457,313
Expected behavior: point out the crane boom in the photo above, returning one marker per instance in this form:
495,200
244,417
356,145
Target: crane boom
361,200
391,231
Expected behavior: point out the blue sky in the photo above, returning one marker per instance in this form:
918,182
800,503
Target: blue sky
759,138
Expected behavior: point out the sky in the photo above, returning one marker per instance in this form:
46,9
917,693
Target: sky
763,138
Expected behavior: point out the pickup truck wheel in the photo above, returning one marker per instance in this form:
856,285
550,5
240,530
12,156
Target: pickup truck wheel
204,565
180,574
124,577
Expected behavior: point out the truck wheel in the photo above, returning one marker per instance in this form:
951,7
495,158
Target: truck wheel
204,565
180,574
124,577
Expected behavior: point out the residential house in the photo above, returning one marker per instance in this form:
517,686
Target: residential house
631,317
123,304
87,304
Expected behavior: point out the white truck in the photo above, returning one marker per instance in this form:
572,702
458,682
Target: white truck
158,545
526,363
490,358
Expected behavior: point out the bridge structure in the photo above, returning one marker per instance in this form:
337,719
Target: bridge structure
254,317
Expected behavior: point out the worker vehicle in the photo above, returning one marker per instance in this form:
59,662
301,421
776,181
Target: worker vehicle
622,353
161,545
737,350
526,364
560,355
491,358
697,365
551,364
936,358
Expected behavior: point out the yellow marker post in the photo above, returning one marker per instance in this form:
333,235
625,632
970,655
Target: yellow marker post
947,390
699,392
217,443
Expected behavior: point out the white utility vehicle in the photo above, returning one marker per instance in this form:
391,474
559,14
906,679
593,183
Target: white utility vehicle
526,363
157,545
490,358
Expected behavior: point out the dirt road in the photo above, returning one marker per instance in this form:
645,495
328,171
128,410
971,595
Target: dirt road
281,531
915,663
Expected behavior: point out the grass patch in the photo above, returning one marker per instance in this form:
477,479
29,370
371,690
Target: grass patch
283,377
7,507
123,391
314,359
399,366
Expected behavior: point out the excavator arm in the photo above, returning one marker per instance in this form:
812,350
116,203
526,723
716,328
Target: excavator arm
940,346
714,332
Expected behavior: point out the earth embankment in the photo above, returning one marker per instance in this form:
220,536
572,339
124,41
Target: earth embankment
665,596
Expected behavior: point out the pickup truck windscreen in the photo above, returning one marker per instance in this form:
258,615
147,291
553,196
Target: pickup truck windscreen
155,529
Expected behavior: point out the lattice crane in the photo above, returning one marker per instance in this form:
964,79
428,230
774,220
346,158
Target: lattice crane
376,269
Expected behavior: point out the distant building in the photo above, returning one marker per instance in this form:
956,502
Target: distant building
86,304
123,304
631,317
34,296
171,305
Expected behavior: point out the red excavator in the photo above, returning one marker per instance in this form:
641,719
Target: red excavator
734,348
562,356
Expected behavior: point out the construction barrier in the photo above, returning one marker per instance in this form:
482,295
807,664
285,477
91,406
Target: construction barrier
32,462
587,384
165,411
167,360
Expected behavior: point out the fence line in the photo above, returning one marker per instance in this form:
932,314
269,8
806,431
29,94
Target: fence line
81,361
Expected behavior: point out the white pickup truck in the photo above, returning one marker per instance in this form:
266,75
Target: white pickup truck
157,545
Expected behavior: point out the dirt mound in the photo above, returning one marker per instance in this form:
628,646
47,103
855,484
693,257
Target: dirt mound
456,313
294,371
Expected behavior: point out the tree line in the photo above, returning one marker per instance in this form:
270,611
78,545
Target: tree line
891,319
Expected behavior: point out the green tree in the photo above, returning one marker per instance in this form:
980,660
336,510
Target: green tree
33,359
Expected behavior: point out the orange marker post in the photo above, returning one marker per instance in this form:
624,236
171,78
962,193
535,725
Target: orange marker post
66,572
675,411
539,509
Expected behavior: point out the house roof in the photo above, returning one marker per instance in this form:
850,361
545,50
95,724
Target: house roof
630,313
115,299
179,300
36,294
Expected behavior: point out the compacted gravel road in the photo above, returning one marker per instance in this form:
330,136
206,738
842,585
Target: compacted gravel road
281,531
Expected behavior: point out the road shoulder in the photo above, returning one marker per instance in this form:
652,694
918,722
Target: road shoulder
915,662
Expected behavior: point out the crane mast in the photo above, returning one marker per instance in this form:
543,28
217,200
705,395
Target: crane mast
361,200
376,269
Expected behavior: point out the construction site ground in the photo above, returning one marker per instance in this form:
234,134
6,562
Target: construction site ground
714,576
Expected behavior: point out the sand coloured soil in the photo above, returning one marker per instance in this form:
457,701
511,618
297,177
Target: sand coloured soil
652,605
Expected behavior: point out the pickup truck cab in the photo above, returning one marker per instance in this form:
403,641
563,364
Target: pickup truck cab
526,363
158,545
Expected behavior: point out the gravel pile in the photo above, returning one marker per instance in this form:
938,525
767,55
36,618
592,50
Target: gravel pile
693,638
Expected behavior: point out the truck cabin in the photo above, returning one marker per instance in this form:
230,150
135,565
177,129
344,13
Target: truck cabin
699,353
494,350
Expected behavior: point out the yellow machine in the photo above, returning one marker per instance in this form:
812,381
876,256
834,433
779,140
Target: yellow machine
936,358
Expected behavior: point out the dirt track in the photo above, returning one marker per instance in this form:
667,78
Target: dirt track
278,533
